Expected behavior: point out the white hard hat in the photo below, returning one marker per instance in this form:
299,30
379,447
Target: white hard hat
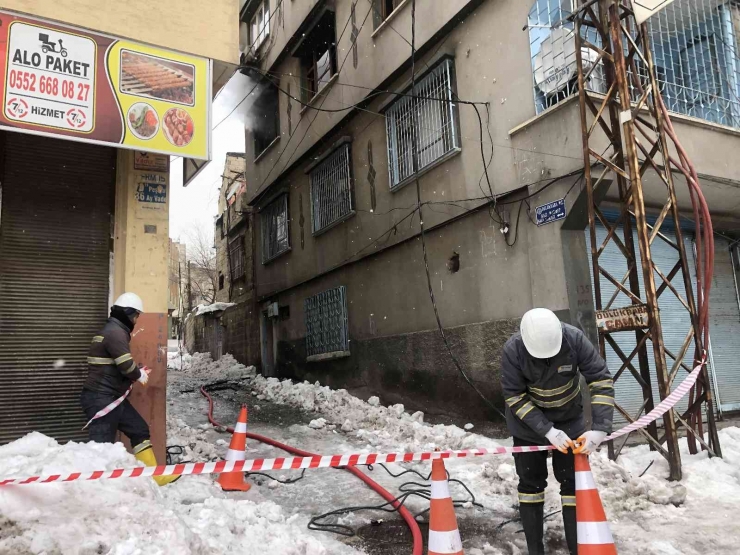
542,333
130,300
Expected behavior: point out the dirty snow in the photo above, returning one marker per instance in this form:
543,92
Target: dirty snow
134,516
211,308
649,515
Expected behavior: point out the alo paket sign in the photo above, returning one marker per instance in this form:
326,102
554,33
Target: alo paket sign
68,83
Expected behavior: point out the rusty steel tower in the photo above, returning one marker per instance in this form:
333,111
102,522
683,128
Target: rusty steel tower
632,118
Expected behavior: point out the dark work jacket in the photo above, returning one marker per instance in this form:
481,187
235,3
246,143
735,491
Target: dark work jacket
111,368
542,393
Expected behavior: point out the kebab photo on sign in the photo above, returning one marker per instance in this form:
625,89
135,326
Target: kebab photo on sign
158,78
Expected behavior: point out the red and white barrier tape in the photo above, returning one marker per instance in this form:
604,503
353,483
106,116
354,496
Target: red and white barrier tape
109,408
318,461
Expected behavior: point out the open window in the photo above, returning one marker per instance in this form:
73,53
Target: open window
259,24
318,55
265,118
382,9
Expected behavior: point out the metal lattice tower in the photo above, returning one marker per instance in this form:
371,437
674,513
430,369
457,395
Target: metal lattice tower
630,117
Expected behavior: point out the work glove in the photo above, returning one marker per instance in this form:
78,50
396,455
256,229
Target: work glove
589,442
144,378
559,439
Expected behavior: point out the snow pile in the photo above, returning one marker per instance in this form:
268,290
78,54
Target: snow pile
200,369
134,516
211,308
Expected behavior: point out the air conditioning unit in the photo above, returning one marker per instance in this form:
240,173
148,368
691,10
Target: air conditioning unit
273,310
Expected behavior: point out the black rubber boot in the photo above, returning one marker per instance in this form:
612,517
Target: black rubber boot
533,521
571,529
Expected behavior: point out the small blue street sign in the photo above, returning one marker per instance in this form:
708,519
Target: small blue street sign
550,212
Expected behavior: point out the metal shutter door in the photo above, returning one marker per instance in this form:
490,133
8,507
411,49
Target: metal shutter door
674,317
54,276
725,329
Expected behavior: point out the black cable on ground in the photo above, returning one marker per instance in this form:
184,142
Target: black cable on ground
285,482
407,489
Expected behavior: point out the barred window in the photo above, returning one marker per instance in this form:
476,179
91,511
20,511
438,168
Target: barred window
326,323
236,257
331,190
436,125
695,44
275,229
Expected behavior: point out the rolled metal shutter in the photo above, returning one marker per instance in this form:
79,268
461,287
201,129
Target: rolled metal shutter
724,331
674,317
55,223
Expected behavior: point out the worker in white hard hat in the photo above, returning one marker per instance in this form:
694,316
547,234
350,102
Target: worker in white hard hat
542,367
112,371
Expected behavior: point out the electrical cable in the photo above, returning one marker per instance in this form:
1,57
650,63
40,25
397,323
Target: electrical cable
407,489
385,494
421,223
310,125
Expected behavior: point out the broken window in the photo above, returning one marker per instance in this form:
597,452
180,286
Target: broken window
318,56
382,9
265,118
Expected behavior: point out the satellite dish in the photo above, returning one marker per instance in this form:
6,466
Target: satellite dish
556,64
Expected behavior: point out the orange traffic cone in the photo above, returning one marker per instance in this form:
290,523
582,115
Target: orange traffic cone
594,535
234,481
444,537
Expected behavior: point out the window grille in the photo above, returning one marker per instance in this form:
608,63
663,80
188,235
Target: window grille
696,47
436,125
331,190
326,322
275,229
236,257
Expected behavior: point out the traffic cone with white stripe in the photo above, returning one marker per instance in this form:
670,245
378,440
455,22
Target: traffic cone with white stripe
444,536
234,481
594,535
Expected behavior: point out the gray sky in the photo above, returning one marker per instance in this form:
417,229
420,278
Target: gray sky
197,204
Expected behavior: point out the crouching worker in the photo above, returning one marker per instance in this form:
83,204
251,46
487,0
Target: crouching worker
541,373
112,372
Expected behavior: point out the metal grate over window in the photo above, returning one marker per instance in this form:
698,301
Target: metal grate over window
696,47
275,229
326,322
436,125
236,257
331,190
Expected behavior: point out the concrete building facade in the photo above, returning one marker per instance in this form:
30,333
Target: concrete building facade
341,274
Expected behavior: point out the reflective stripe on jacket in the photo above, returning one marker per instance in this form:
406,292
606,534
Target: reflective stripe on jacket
542,393
111,367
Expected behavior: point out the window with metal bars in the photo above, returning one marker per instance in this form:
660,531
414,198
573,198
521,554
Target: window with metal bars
436,115
327,328
275,229
331,190
236,257
696,48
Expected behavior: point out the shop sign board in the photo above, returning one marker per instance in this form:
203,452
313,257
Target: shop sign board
73,84
630,318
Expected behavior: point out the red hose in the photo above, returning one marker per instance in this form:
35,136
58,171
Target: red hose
377,488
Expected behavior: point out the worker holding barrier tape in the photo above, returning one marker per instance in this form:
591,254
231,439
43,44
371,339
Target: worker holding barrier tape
112,373
541,369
